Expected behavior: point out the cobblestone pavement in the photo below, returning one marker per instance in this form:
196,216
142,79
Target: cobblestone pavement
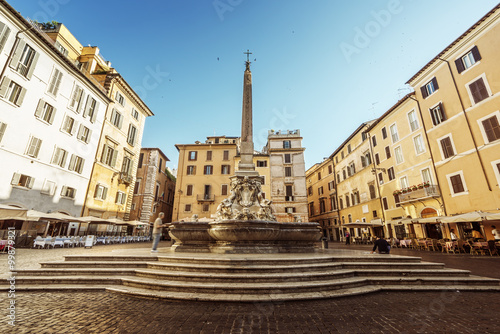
101,312
480,265
384,312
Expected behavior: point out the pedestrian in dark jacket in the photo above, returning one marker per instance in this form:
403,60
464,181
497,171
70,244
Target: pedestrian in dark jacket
382,245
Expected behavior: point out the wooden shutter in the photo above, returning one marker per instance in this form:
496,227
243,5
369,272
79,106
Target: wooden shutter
104,192
75,126
87,106
447,147
424,91
435,83
387,152
58,82
3,126
55,157
31,181
491,128
96,110
104,153
17,54
79,98
478,90
80,131
20,99
4,35
456,183
15,179
113,159
377,159
476,54
120,121
72,162
32,65
460,65
4,86
39,108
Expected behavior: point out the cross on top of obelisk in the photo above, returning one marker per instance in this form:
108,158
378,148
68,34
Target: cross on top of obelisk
248,53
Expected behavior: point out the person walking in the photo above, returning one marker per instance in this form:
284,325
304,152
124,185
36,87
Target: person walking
157,231
347,238
382,245
453,236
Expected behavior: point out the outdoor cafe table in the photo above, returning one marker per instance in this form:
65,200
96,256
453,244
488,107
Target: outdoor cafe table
405,242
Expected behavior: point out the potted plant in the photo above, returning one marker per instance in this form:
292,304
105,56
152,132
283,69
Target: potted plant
396,192
427,184
404,190
421,186
413,188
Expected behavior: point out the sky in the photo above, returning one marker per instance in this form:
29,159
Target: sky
322,66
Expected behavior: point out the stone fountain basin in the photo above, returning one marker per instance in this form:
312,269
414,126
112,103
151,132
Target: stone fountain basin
189,231
244,230
299,232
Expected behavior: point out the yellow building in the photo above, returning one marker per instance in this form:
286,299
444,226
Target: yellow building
406,176
114,171
458,94
322,198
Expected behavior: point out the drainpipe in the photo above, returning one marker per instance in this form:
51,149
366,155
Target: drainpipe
468,124
430,152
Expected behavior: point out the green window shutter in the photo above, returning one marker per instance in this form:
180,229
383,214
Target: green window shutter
4,86
32,66
39,108
17,54
20,99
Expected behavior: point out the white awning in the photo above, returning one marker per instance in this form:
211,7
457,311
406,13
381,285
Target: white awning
476,216
11,212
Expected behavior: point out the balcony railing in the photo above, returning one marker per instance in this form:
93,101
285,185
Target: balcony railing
426,192
205,198
126,178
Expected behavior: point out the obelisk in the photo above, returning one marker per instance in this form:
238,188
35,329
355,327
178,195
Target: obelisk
246,167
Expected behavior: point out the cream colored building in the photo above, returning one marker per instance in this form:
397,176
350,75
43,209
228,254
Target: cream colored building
459,94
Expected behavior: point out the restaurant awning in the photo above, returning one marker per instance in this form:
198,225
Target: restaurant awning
429,220
476,216
93,220
402,221
362,224
8,212
494,216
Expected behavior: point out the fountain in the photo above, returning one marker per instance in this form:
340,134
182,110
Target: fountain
245,222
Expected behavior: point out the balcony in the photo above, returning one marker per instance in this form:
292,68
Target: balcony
125,178
419,194
205,198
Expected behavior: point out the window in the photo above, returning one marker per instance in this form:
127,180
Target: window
373,194
263,178
116,119
55,82
225,156
419,144
342,155
390,174
45,112
76,164
491,128
341,203
426,175
91,108
322,207
84,134
59,157
351,169
24,59
366,159
457,184
384,133
309,190
100,192
48,188
4,34
225,169
467,60
187,208
320,190
398,153
447,148
331,185
356,197
208,170
380,178
333,203
290,209
349,216
191,170
160,165
319,175
374,141
120,197
33,147
344,173
135,114
311,209
394,133
12,91
189,190
137,186
384,201
412,119
288,158
209,155
288,171
287,144
3,127
338,177
330,169
377,159
347,201
192,155
120,99
141,159
69,125
109,155
429,88
68,192
205,207
132,133
478,90
387,152
348,148
289,193
21,180
374,213
127,165
76,99
261,163
224,190
403,182
437,114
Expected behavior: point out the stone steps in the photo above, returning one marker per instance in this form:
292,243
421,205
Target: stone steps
248,278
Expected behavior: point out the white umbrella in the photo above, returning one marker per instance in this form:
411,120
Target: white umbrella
476,216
